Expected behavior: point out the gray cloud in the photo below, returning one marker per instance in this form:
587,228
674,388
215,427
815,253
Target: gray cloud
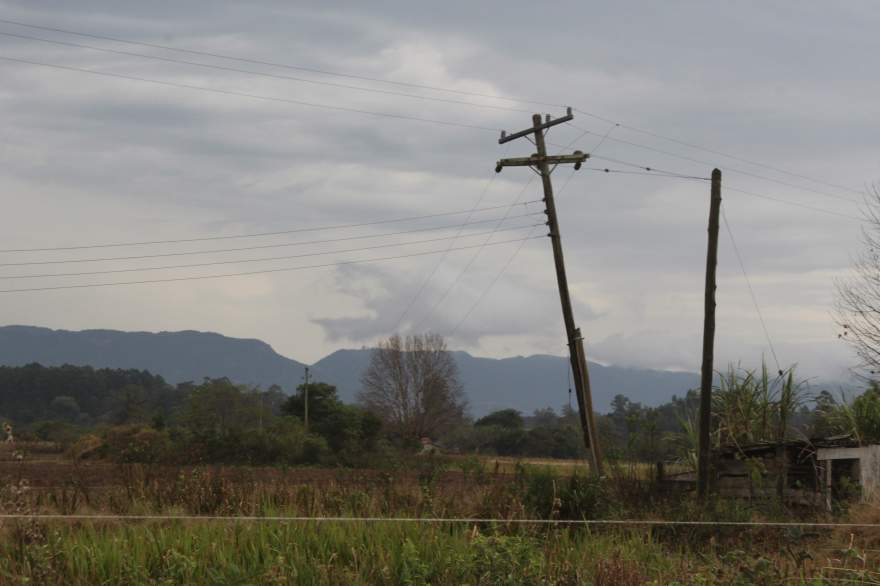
97,159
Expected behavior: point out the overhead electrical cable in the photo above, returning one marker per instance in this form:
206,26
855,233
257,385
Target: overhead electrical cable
647,173
249,273
262,234
608,132
472,260
648,168
479,251
281,65
264,246
461,92
251,96
754,297
519,248
651,170
726,168
722,153
264,259
794,203
488,184
491,285
502,270
262,74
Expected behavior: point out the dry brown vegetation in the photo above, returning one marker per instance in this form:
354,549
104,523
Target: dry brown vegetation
212,552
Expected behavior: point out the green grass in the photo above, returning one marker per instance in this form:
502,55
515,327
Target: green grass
272,552
267,553
219,553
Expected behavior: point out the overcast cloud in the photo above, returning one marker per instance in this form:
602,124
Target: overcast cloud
90,159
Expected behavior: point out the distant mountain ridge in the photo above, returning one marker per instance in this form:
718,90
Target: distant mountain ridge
524,383
176,356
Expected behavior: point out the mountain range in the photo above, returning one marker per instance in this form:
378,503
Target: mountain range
523,383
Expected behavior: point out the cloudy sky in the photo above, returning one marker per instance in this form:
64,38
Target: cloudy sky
96,159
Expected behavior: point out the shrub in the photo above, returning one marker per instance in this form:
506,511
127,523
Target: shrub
136,444
549,496
506,560
87,447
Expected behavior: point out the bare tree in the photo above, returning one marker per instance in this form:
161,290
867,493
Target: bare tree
412,385
858,296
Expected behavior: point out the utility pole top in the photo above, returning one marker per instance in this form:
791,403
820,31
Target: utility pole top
577,158
541,158
547,124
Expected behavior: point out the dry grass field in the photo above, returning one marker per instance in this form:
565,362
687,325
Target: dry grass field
221,550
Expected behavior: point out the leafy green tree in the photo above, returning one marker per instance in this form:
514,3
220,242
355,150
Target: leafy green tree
323,402
218,407
563,441
505,418
218,419
348,430
859,418
131,405
64,408
544,418
866,414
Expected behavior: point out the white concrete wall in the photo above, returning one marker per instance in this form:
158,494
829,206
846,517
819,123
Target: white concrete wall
869,464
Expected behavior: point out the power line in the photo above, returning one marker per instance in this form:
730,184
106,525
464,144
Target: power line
262,234
608,132
519,248
742,266
492,283
616,123
510,260
471,261
652,174
661,172
649,168
249,273
442,122
794,203
503,269
252,96
263,246
280,65
262,74
721,153
732,169
250,260
442,258
265,259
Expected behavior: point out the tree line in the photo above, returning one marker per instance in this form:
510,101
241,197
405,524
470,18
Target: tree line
132,415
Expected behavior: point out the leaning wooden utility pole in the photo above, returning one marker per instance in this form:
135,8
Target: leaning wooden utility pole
541,162
707,369
306,401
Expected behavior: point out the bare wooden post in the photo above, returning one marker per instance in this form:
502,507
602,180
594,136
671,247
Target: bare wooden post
306,401
707,369
829,482
541,162
585,402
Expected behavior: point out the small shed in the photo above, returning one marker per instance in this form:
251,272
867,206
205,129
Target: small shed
849,471
817,471
813,472
763,470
